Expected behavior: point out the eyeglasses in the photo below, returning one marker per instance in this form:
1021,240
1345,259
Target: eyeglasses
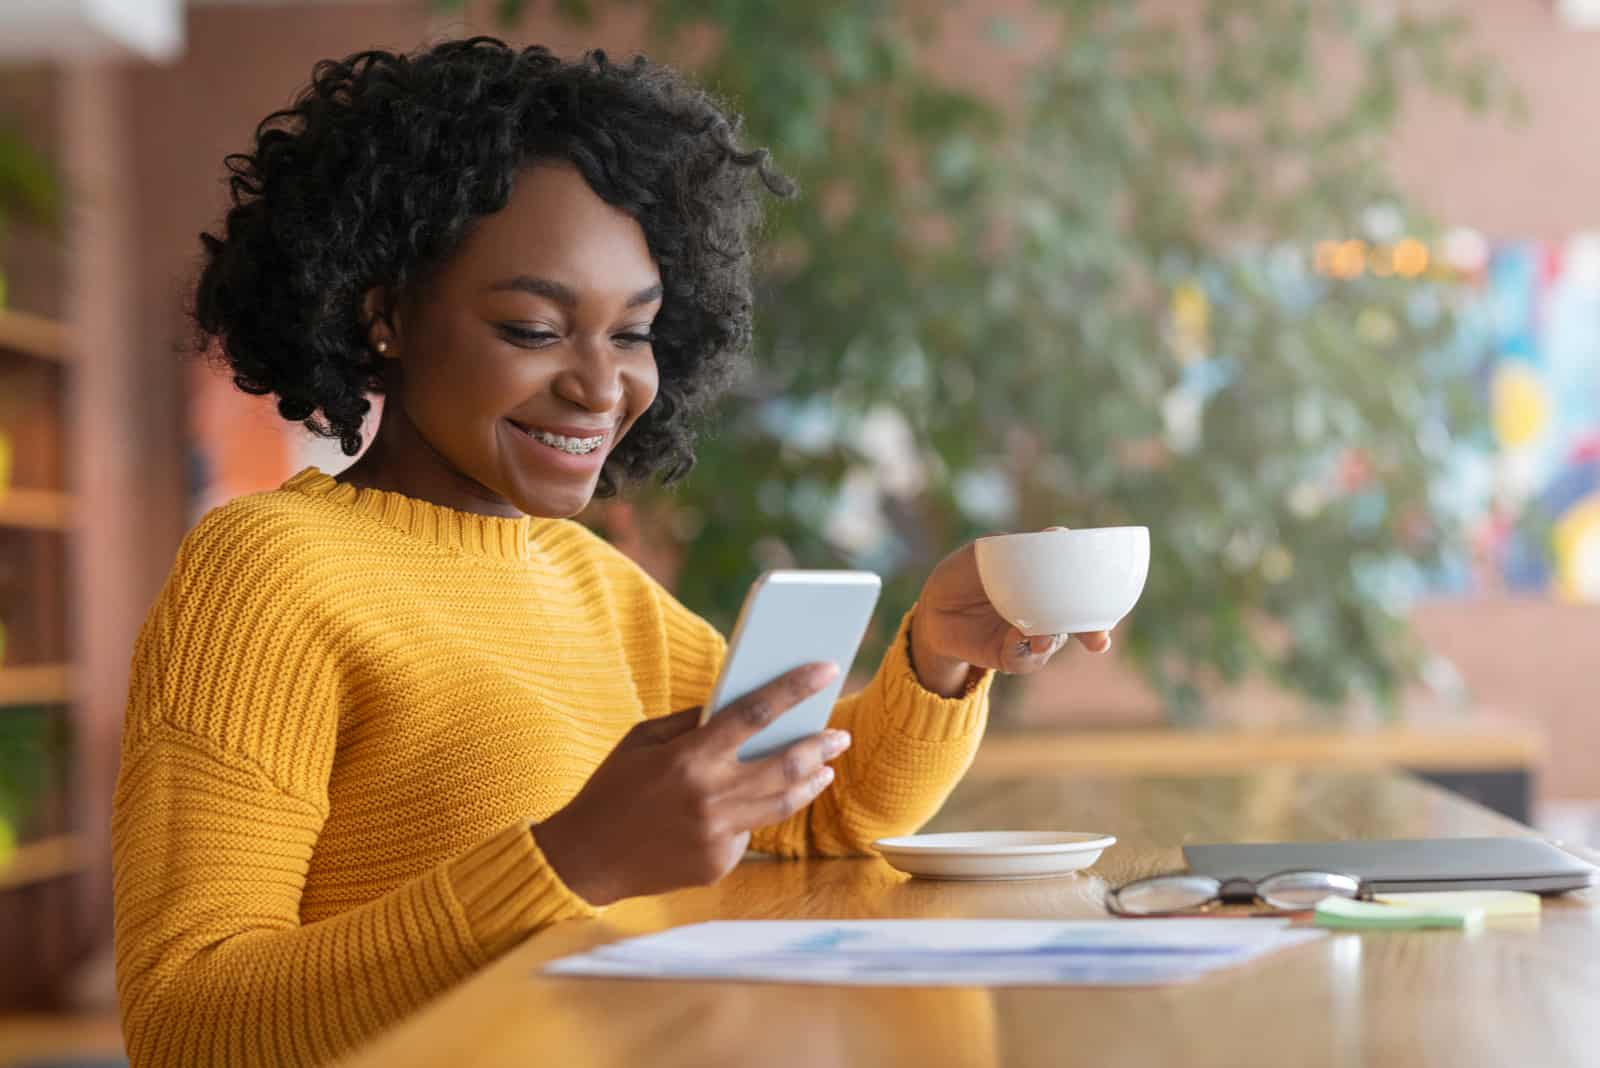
1285,891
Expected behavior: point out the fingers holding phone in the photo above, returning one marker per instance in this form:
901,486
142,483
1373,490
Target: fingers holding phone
757,710
673,805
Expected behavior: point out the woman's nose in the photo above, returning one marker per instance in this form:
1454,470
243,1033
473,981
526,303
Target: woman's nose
593,379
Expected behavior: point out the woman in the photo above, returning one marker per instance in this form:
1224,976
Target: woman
385,724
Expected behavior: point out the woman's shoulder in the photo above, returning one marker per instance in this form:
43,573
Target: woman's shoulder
272,531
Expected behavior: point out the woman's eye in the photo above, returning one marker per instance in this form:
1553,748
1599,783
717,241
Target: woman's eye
633,340
531,338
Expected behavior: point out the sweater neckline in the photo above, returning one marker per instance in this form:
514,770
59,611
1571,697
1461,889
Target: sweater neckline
496,537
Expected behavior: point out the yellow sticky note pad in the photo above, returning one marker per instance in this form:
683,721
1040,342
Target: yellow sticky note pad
1340,912
1493,904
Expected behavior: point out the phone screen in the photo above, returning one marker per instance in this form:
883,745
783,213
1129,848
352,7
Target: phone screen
792,618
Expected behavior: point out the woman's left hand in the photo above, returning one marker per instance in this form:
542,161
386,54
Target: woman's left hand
955,629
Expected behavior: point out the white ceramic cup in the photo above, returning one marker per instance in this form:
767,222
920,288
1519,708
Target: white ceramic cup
1065,581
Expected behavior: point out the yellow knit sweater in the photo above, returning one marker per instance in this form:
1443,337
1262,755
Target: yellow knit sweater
348,706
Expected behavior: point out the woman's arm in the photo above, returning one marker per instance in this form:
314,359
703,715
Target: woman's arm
213,963
232,723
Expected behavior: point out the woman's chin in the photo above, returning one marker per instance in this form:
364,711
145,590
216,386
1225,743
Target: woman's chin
554,502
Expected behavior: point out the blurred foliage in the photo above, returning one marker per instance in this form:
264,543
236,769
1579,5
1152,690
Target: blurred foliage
1091,301
28,187
31,746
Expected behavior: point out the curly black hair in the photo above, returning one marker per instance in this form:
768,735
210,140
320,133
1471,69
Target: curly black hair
377,172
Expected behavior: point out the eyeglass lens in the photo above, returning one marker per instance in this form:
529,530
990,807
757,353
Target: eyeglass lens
1167,893
1291,891
1297,890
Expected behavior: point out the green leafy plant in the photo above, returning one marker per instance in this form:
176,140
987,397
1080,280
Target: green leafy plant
29,188
29,749
1097,302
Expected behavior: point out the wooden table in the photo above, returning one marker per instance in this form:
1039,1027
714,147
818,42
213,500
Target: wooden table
1526,995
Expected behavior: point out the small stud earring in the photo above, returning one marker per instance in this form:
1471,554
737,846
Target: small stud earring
382,347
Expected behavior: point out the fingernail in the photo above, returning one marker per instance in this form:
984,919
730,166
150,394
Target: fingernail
822,674
824,776
834,742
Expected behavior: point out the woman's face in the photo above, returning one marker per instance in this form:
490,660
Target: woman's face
525,358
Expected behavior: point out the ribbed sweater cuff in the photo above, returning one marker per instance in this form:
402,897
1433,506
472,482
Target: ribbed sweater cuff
694,651
508,890
919,712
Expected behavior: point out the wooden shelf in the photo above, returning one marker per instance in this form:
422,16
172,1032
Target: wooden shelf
38,509
29,334
48,858
1473,746
41,685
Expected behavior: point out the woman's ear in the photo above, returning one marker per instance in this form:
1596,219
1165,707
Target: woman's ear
378,323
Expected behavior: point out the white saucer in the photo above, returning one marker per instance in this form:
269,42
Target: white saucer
994,854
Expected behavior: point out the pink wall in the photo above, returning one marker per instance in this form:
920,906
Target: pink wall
1538,181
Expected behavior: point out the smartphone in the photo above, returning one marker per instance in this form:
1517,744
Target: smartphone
790,618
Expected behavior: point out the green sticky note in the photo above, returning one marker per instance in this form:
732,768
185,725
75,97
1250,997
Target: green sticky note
1340,912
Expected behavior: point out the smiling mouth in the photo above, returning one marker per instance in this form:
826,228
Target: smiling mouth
582,446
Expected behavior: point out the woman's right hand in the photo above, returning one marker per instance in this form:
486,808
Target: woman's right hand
674,806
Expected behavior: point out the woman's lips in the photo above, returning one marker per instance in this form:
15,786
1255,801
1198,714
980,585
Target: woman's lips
581,451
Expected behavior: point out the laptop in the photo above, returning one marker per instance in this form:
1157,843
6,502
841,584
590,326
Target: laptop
1407,865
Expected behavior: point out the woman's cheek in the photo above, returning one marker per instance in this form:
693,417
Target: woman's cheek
641,395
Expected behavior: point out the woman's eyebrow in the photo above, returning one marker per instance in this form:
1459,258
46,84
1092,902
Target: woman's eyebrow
563,294
645,296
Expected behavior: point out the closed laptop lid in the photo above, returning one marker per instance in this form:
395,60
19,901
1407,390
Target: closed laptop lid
1456,863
